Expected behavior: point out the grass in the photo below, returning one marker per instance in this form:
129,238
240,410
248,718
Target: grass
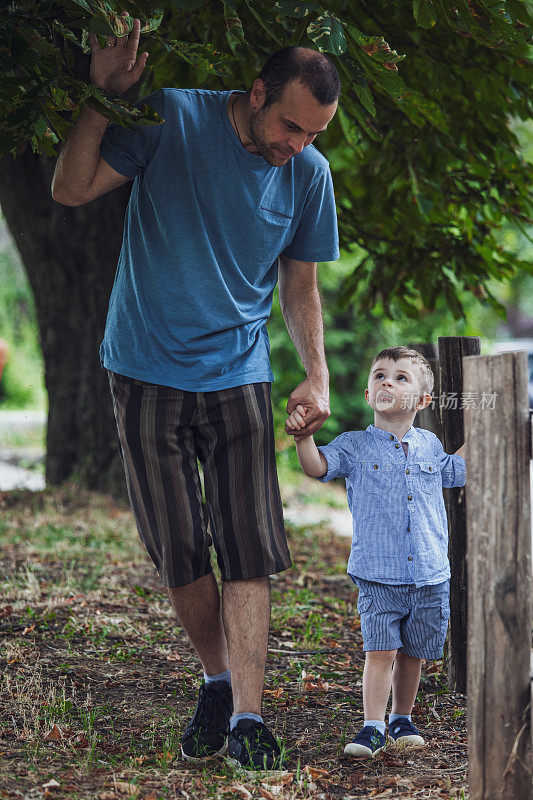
99,680
23,377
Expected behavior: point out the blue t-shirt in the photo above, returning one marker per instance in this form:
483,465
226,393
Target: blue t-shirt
400,529
205,224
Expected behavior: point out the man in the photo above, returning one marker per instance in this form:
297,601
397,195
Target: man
224,194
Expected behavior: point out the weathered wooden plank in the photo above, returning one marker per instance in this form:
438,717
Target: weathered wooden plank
451,351
498,448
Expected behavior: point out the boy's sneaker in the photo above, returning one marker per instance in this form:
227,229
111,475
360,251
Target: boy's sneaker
404,734
252,746
366,744
206,735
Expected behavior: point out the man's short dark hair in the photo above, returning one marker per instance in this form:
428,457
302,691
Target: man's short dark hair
310,67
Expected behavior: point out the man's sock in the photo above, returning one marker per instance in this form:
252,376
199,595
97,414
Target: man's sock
376,723
392,717
222,676
244,715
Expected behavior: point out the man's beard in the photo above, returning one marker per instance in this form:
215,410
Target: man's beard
256,133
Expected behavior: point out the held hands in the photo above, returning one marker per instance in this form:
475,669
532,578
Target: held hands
296,421
116,67
311,459
312,398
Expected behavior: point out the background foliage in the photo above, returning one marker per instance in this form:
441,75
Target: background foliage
432,187
426,165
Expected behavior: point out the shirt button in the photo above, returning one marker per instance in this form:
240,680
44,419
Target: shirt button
408,528
397,446
391,437
430,469
407,471
409,497
409,558
375,466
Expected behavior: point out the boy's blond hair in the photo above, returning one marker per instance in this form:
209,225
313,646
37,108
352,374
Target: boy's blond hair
396,353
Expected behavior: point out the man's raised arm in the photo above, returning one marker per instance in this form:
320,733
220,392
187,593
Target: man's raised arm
81,174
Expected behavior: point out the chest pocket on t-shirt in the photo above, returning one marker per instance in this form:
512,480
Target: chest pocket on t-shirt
376,476
266,235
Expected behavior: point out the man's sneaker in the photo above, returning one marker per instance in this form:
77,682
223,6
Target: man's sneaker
404,734
206,734
366,744
252,746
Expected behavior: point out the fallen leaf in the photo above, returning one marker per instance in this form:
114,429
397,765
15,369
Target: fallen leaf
79,740
129,789
282,779
51,785
6,611
55,734
151,796
28,630
108,796
315,773
274,692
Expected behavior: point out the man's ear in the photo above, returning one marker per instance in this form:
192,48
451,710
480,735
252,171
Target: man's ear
366,395
424,401
258,94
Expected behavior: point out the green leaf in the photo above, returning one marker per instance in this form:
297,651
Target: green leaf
424,13
433,113
40,126
203,56
296,10
359,84
66,32
328,34
234,30
262,21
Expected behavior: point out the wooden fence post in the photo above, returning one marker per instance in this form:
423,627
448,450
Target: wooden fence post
451,351
498,452
429,418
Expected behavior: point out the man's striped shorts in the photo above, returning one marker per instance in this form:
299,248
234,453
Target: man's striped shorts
163,433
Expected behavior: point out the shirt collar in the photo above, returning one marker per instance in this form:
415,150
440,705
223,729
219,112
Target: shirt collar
381,434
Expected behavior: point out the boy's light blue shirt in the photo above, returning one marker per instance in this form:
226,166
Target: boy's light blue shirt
205,224
400,529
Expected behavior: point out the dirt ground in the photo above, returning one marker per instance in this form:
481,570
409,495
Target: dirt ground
98,679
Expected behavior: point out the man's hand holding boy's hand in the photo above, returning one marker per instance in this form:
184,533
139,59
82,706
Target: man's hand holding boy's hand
313,395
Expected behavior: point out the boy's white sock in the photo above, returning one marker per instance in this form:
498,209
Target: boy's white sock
392,717
376,723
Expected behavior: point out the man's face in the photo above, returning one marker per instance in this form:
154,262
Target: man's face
394,386
286,127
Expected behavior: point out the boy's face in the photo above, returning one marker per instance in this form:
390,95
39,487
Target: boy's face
395,388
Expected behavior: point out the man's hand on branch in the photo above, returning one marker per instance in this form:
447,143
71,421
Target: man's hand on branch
115,68
313,395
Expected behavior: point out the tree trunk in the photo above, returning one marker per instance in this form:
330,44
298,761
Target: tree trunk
70,255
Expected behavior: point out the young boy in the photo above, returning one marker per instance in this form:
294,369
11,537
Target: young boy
399,556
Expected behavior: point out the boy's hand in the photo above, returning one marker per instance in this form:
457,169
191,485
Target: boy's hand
296,421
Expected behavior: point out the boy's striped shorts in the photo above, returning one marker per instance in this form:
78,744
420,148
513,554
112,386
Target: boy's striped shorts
163,433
